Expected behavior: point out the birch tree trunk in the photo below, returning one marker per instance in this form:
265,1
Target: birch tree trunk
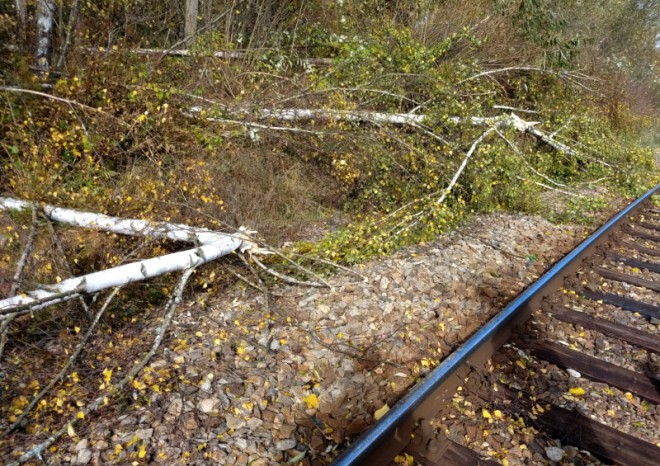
191,19
45,20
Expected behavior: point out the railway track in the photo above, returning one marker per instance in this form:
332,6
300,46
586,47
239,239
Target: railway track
569,369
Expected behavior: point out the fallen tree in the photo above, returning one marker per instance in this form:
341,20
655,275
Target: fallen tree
416,121
210,246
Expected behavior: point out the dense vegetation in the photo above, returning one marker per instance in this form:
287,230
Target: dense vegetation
412,129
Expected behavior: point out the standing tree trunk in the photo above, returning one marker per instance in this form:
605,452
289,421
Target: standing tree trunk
70,28
45,19
191,19
21,16
21,10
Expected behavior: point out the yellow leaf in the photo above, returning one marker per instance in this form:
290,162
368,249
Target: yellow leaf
70,431
381,412
80,415
133,440
498,414
576,391
143,451
311,401
77,329
485,413
139,385
107,375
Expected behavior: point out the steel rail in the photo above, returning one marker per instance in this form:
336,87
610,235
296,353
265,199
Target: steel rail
391,432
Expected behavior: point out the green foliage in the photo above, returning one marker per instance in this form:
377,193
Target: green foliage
580,211
541,22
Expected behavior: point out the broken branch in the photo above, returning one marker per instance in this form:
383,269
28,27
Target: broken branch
171,307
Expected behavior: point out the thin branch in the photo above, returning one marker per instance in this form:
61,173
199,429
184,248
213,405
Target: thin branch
60,251
285,278
171,307
333,264
514,109
62,100
504,70
562,191
60,375
458,173
517,151
27,250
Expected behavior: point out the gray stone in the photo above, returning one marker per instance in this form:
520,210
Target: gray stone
286,444
82,445
574,373
144,434
241,443
206,405
83,457
554,453
234,422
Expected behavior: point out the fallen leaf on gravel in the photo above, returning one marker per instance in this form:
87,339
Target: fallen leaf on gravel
576,391
381,412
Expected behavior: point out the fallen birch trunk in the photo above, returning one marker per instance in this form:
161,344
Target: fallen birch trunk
211,246
405,119
124,226
120,276
309,114
220,54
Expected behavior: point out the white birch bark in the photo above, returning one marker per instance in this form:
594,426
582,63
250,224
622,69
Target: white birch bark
45,20
406,119
306,114
120,276
211,245
124,226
